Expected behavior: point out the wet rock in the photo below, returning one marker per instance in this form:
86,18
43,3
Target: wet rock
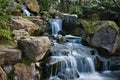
35,48
3,75
60,39
25,72
115,63
22,23
69,22
102,34
9,55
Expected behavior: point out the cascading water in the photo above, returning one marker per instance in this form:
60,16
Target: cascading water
25,11
70,60
73,61
55,25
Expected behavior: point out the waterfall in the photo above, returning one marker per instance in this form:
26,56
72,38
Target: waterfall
25,11
55,25
68,60
73,61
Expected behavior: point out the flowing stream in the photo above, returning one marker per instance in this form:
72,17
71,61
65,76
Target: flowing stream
73,61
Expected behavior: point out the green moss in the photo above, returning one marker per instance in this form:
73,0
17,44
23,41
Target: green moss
103,24
92,26
26,61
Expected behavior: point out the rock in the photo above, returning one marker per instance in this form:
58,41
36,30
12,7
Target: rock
44,15
25,72
31,4
35,48
58,15
102,34
69,22
115,63
38,22
42,25
3,75
119,42
60,39
8,68
9,55
18,34
22,23
16,12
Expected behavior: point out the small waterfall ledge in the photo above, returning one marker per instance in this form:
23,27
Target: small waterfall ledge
55,25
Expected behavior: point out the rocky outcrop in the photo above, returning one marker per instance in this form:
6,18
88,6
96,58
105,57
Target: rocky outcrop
31,4
39,22
3,75
18,34
9,55
22,23
34,48
102,34
25,72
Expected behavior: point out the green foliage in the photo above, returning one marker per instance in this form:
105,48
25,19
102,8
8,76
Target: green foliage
19,6
4,9
5,33
105,9
75,9
44,5
26,61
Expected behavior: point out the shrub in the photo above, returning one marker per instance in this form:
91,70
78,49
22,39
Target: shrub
5,33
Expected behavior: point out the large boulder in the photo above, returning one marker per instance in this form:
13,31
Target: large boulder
9,55
22,23
35,48
32,5
3,75
102,34
25,72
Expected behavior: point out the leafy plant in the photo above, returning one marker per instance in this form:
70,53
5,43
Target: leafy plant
44,4
4,9
19,6
5,33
